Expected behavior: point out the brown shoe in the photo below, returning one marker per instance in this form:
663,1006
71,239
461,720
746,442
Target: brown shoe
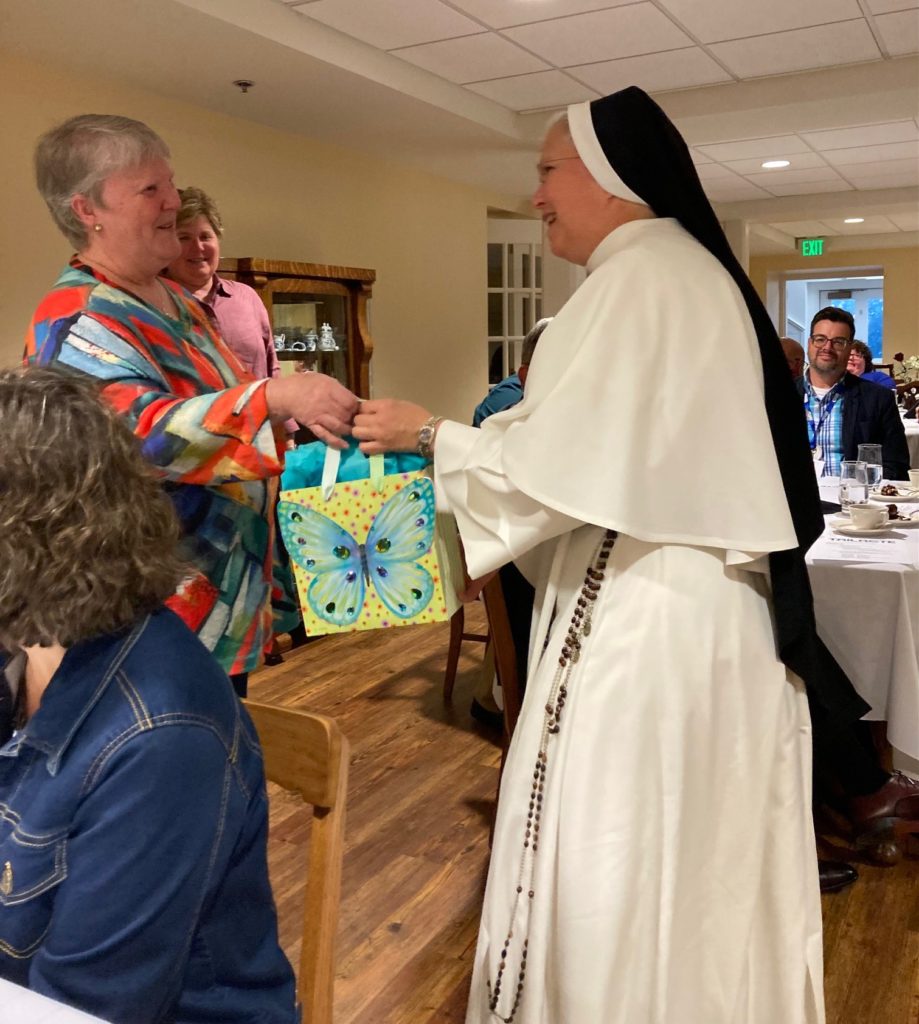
885,816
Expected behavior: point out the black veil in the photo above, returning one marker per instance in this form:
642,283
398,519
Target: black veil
645,149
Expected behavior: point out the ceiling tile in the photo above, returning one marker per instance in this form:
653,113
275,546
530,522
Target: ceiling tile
873,154
906,221
799,50
750,149
729,192
900,32
901,179
472,58
809,188
864,135
534,92
715,172
790,176
799,161
699,158
602,35
387,25
654,72
880,168
802,228
716,20
870,226
885,6
504,13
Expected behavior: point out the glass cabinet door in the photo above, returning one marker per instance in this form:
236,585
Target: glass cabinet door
318,313
311,332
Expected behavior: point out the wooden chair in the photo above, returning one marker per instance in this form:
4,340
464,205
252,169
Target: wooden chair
457,635
308,754
505,655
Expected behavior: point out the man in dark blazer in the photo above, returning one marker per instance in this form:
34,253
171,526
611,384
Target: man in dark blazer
844,411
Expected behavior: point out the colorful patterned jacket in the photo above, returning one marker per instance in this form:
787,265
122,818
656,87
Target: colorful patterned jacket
203,422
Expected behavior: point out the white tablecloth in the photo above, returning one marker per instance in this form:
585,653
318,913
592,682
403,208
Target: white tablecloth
912,441
20,1006
868,616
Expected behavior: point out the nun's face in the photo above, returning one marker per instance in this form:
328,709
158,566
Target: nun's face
577,212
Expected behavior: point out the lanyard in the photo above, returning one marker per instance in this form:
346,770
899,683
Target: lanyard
827,405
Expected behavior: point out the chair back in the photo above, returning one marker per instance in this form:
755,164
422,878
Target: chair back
886,367
308,754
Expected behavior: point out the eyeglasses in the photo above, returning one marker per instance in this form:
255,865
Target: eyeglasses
819,340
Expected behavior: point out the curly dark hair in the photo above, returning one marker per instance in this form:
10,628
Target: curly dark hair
87,535
862,349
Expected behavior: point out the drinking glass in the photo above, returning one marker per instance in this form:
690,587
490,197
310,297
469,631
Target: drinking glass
870,454
853,483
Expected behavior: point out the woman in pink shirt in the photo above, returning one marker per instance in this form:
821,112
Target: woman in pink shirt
234,309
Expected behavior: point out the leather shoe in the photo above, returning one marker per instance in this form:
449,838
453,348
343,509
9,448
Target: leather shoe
835,875
898,798
487,717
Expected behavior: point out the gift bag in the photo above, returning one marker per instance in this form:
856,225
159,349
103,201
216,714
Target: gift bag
370,553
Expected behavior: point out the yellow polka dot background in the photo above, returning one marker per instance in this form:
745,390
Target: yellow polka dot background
354,505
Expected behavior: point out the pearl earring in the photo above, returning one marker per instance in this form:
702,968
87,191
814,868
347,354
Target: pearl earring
97,227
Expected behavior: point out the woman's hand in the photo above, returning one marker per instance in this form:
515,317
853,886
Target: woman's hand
388,425
317,401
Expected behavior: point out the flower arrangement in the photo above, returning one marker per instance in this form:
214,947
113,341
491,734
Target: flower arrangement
905,369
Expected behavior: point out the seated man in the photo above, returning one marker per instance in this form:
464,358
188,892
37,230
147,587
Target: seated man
842,410
510,390
794,356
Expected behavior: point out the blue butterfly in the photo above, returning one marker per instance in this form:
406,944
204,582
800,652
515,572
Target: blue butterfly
401,532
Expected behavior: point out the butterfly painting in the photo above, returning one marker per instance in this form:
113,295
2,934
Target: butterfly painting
342,568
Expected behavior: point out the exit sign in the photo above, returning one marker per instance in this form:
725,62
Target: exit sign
811,246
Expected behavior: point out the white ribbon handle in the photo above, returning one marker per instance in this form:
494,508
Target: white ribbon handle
330,471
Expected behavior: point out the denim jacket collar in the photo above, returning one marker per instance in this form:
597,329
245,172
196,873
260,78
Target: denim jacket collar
68,699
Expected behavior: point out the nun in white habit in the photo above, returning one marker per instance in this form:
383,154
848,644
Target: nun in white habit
653,858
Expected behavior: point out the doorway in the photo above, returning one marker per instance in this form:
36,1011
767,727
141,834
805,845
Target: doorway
861,295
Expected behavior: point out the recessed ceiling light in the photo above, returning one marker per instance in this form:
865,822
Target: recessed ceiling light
854,220
770,165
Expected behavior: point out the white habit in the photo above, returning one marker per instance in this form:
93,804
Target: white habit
675,880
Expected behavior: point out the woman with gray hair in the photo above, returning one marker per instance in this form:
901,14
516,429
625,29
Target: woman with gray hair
133,815
212,431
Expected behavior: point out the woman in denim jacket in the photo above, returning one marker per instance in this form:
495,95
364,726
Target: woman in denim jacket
133,815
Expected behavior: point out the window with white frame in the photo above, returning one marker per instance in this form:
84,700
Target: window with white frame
514,291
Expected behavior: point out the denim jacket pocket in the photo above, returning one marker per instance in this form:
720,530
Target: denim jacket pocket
30,871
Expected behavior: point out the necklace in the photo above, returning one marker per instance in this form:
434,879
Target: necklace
578,629
166,305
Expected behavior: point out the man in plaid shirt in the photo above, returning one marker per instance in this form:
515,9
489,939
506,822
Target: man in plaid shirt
844,411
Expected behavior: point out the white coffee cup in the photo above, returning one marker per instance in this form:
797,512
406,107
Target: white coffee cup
914,479
867,517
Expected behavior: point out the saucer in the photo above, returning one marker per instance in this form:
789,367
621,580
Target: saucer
863,531
903,494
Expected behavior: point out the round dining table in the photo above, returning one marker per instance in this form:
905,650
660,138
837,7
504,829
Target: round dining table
868,616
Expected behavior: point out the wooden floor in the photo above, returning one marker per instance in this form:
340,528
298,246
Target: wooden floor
422,788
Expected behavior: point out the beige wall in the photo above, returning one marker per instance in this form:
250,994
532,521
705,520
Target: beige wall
281,196
901,286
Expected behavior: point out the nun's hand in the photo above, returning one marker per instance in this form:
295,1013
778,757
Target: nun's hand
388,425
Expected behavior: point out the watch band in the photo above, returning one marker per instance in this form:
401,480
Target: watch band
426,434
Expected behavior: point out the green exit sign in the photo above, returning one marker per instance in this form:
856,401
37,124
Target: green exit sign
811,246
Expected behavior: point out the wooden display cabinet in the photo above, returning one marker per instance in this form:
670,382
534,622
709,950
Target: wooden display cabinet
300,298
